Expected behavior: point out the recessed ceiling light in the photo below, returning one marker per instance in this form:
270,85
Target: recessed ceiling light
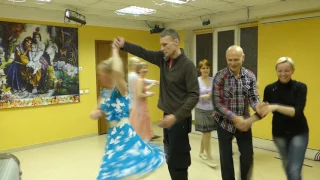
42,1
17,1
134,10
177,1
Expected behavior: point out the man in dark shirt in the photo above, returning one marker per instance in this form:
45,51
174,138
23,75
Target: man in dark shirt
234,89
179,93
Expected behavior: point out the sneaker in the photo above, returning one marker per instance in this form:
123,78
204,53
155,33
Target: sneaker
155,137
203,156
211,164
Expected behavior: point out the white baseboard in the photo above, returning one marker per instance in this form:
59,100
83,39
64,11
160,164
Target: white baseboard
48,143
268,145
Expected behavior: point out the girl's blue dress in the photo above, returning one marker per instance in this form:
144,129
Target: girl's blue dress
126,153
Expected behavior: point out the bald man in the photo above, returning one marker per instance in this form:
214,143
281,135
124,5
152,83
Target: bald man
234,89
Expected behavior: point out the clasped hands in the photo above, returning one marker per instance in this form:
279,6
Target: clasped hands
242,124
207,97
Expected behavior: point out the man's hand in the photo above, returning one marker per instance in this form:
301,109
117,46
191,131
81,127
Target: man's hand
118,42
262,109
167,121
240,123
244,126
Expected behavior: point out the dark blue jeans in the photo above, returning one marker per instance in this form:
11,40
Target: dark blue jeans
292,150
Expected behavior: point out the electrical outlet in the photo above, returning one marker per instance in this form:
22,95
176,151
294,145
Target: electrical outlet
86,91
80,68
81,91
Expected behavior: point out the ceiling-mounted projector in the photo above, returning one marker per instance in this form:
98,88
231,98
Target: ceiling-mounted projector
75,16
206,22
156,29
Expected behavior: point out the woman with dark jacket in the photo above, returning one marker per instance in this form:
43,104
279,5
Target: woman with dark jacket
287,99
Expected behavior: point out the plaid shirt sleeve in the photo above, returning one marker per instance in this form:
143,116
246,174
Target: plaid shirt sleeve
217,97
254,99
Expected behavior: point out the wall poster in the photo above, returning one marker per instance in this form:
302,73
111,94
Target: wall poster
38,65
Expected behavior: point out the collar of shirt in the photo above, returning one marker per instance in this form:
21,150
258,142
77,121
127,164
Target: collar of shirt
242,72
171,61
285,85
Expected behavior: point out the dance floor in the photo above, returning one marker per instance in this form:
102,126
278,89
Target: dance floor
80,160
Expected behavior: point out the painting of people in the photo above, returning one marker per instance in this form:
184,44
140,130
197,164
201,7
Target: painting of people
38,65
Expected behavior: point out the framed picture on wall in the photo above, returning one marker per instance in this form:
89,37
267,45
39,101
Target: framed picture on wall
38,65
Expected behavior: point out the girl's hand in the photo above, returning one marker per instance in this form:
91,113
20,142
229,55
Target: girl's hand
95,114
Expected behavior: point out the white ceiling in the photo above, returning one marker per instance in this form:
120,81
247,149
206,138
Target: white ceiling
101,12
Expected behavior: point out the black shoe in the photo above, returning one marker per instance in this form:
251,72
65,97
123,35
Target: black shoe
155,137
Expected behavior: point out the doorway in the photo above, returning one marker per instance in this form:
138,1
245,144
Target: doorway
103,52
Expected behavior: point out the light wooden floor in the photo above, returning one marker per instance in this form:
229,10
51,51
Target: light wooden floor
80,160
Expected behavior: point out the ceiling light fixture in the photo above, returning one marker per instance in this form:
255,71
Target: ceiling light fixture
43,1
14,1
134,10
177,1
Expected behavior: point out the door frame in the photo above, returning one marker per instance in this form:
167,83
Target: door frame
215,43
97,83
124,58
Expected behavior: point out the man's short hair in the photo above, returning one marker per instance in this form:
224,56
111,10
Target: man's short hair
170,32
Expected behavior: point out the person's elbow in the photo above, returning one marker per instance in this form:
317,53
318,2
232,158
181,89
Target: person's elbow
194,93
298,112
254,101
217,107
195,99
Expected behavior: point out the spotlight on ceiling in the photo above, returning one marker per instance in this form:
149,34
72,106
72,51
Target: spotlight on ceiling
205,22
156,29
74,16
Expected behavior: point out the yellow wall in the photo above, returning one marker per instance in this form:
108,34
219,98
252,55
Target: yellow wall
300,40
22,127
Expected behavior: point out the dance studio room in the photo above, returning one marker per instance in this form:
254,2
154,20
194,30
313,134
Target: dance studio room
159,89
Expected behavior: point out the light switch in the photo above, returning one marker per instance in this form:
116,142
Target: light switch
81,91
80,68
86,91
